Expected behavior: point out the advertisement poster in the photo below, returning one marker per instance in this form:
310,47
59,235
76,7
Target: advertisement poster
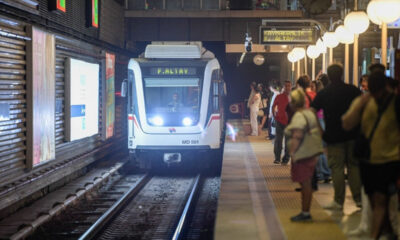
40,97
82,99
110,96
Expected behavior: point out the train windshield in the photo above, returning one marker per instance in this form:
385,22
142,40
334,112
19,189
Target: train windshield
172,101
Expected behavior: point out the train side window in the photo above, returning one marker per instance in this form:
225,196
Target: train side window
131,79
215,90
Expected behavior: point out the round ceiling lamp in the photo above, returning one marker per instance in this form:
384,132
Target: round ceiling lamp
372,15
330,40
343,35
313,52
299,52
321,46
356,22
292,57
258,59
386,11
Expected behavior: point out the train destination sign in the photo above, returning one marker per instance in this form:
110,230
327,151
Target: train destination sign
287,36
163,71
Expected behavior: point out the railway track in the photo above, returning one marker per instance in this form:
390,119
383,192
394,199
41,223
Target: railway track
134,207
160,211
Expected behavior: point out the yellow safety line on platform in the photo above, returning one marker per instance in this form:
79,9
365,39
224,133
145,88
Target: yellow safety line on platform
288,202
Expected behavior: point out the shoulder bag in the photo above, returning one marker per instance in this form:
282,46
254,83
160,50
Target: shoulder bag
311,144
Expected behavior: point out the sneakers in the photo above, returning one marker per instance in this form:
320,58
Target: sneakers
333,206
301,217
277,161
285,160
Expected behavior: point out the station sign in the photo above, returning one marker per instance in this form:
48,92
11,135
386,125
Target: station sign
163,71
287,35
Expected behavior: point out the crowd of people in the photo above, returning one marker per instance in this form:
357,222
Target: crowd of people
333,131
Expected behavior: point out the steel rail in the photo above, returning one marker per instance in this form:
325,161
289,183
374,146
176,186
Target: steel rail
110,213
185,212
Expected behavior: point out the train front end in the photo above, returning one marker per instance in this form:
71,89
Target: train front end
174,109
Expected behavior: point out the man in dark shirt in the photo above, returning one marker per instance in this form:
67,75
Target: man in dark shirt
335,99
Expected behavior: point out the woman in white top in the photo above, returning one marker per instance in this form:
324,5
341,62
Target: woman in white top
254,107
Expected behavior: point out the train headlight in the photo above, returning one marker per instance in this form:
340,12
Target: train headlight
157,120
187,121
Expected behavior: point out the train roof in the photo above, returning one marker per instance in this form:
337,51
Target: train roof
177,51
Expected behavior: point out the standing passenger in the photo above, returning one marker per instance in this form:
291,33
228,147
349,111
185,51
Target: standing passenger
305,144
279,111
254,107
380,125
335,99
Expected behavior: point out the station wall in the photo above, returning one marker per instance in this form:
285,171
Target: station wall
17,179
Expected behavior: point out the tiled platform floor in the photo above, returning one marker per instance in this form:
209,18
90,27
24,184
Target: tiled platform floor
257,197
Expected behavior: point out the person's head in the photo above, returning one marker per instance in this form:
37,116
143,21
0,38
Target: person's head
324,79
376,67
364,83
297,99
314,86
253,85
175,96
304,81
260,87
335,73
377,83
287,87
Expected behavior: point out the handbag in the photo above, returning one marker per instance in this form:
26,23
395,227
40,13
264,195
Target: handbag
362,145
260,113
311,144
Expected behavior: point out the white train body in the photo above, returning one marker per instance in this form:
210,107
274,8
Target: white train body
174,102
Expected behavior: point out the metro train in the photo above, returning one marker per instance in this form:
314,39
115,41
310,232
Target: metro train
175,105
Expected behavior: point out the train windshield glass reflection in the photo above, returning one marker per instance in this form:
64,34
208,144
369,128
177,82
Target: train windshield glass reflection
171,95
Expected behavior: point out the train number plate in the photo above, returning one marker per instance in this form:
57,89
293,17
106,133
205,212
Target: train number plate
188,142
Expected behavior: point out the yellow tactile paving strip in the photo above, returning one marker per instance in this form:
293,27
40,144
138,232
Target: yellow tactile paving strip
287,201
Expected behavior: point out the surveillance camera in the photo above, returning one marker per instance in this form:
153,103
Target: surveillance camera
247,43
248,46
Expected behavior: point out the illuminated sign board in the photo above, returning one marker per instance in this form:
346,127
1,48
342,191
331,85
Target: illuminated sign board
82,99
177,71
58,5
61,5
272,35
92,8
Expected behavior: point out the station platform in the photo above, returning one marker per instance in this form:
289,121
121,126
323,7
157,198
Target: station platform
257,197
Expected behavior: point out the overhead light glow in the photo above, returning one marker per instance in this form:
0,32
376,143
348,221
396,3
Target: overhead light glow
313,52
357,22
330,40
299,52
321,46
386,11
292,57
343,35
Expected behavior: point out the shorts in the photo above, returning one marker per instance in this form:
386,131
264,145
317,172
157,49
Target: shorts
380,178
303,170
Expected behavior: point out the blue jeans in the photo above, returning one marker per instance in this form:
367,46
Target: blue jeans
323,170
